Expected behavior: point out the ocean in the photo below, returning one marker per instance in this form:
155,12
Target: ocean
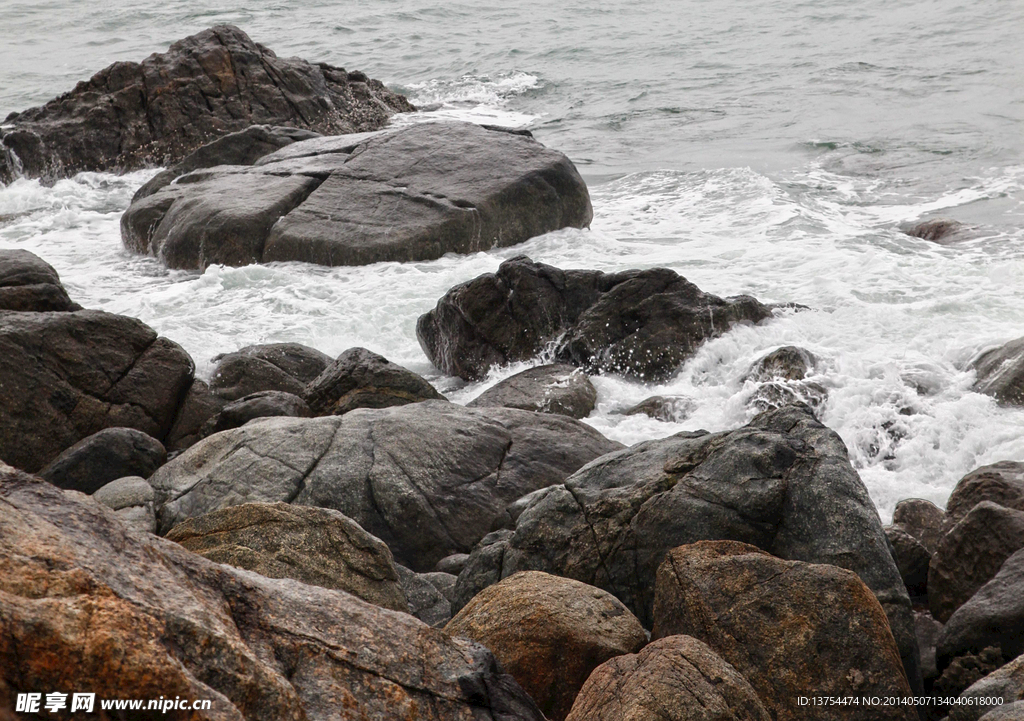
773,148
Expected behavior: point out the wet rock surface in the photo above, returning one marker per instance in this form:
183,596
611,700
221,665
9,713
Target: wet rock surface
556,388
28,283
359,378
135,115
671,409
1000,372
640,323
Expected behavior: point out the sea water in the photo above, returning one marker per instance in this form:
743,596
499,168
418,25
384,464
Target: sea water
767,148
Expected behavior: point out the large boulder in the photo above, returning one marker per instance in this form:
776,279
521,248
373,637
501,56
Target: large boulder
133,115
993,617
313,545
90,605
672,679
970,554
429,479
642,323
359,378
783,483
556,388
28,283
65,376
103,457
1000,372
1001,483
286,367
409,194
791,628
550,633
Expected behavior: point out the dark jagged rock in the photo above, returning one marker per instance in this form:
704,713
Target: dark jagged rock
937,230
673,679
964,671
93,606
787,363
1005,684
781,376
103,457
200,405
671,409
265,404
550,633
65,376
429,479
362,379
157,112
1001,483
994,616
404,195
313,545
426,595
641,323
242,148
970,554
912,559
1001,373
558,388
783,483
921,519
28,283
284,367
787,626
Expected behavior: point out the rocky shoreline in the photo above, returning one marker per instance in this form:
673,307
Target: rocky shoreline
303,536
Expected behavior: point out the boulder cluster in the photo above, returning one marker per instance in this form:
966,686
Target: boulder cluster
307,537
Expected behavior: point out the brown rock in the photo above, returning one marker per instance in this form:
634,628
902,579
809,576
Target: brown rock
970,554
28,283
673,679
921,519
317,546
912,559
90,605
791,628
1001,483
549,633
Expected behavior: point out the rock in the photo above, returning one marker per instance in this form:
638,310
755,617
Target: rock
964,671
927,630
313,545
1013,712
286,367
1000,372
265,404
200,405
408,194
104,457
938,230
912,559
1001,483
550,633
1006,684
427,601
132,499
787,626
242,148
783,483
787,363
429,479
558,388
453,564
994,616
28,283
641,323
970,554
68,375
671,409
91,605
135,115
362,379
921,519
776,394
672,679
780,376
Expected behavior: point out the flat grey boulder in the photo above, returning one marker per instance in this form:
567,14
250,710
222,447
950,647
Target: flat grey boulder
133,500
429,479
218,81
404,195
558,388
103,457
28,283
640,323
286,367
65,376
783,483
359,378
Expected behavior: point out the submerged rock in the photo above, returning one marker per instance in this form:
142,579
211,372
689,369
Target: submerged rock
359,378
671,409
28,283
642,323
429,479
1001,372
65,376
403,195
937,230
783,483
558,388
135,115
91,605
